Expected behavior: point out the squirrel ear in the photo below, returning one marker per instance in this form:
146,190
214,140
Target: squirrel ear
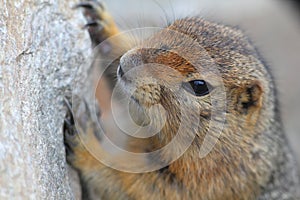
249,97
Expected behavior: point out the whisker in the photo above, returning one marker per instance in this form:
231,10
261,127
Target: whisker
173,12
166,18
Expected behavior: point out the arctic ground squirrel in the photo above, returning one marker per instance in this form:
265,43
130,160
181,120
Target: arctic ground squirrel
251,158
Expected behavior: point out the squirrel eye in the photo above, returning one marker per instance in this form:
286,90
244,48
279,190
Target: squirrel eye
197,87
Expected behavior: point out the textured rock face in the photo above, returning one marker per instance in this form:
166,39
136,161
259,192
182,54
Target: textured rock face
42,47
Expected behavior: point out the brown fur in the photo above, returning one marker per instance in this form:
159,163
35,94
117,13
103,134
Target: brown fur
243,161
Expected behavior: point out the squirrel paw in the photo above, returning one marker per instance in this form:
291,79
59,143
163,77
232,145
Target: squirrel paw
77,139
71,138
100,24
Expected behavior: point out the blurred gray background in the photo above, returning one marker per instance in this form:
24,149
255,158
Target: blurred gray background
272,25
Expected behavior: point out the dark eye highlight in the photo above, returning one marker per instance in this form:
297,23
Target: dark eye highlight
197,87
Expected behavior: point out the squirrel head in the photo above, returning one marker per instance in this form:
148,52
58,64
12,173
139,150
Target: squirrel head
189,78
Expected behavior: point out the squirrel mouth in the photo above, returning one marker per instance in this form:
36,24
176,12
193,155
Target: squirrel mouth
135,100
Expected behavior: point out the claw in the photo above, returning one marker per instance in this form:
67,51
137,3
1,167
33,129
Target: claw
91,23
69,122
86,5
67,102
69,112
89,4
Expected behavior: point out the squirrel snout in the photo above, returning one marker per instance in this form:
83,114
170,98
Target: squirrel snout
129,60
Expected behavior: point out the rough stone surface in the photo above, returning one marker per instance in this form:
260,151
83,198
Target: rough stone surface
42,48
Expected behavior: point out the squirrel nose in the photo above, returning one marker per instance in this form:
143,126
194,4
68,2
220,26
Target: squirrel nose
129,60
120,71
